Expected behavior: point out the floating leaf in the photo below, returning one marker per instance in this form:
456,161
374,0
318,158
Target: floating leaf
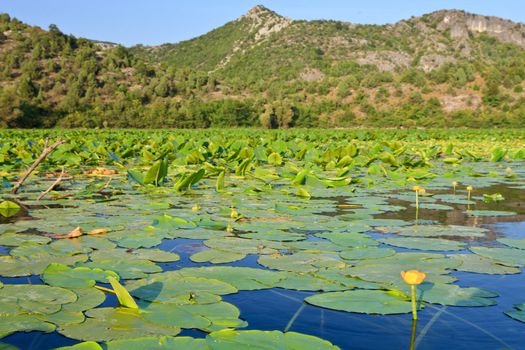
8,209
233,339
363,301
242,278
479,264
163,343
216,256
60,275
423,243
505,256
359,253
104,324
518,313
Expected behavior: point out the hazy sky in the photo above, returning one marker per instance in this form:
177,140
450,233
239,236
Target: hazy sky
154,22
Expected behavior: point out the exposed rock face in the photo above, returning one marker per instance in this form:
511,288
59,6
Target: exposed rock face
460,102
462,24
386,61
265,21
434,61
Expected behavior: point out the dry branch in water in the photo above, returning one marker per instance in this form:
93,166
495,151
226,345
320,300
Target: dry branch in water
43,194
45,152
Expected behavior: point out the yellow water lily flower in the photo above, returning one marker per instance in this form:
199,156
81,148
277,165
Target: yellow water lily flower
413,277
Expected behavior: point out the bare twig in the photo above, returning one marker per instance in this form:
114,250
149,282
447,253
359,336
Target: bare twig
105,185
45,152
43,194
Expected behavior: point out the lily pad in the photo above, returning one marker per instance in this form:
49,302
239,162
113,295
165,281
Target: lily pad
177,289
423,243
440,231
216,256
360,253
299,262
504,256
363,301
478,264
126,269
162,343
513,242
483,213
12,239
518,313
8,208
242,278
104,324
60,275
233,339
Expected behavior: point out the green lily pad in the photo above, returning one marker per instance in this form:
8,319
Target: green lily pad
63,317
279,236
440,231
216,256
207,317
83,346
387,270
177,289
363,301
88,298
360,253
423,243
452,295
347,239
79,277
126,269
478,264
513,242
504,256
104,324
242,278
12,239
162,343
299,262
24,323
156,255
233,339
307,282
483,213
35,264
518,313
8,208
244,246
33,297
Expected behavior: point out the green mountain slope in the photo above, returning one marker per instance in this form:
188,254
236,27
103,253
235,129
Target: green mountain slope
448,68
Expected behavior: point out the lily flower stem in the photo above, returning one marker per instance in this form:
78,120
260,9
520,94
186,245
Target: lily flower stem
417,205
414,306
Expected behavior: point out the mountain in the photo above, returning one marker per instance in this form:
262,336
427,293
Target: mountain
448,68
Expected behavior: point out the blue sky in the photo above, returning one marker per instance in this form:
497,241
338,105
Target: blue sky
153,22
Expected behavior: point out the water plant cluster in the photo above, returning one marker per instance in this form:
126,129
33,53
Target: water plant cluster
177,223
